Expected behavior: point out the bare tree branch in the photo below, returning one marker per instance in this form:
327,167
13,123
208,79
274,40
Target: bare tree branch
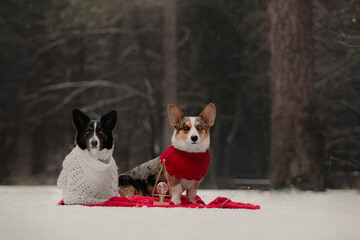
355,163
85,84
49,46
105,102
58,107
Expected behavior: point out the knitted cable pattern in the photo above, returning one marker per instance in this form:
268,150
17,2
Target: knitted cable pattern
85,180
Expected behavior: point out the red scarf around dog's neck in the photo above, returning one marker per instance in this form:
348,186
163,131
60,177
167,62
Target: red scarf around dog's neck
186,165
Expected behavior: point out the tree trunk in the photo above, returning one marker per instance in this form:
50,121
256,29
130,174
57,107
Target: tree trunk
170,67
296,155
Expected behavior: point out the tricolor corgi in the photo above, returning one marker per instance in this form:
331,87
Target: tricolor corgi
95,136
186,161
89,173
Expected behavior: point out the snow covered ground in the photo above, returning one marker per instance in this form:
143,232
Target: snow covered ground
31,213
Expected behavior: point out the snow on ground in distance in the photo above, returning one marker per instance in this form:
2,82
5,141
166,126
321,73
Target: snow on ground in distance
32,213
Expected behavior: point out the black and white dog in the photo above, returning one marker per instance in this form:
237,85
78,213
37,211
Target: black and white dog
89,173
95,136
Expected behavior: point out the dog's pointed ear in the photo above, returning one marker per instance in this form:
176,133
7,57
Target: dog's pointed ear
109,119
209,114
175,115
79,118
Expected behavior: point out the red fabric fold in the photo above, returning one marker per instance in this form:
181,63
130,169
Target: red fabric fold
141,201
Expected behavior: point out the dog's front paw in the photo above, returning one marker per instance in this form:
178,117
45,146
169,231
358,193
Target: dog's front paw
176,201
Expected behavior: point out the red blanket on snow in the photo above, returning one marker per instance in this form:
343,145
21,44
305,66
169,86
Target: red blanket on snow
141,201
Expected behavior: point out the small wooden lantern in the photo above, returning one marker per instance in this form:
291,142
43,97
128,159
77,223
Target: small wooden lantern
161,189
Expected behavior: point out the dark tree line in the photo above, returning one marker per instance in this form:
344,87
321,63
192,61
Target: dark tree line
138,56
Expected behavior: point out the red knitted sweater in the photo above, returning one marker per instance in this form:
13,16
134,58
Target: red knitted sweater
185,164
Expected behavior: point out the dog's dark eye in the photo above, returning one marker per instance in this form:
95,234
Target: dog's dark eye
100,132
89,131
199,128
186,128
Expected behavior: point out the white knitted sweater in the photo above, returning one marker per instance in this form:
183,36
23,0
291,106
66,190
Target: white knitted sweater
86,180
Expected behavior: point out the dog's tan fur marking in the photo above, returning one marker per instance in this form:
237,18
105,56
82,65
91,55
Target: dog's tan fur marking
209,114
181,134
204,132
175,116
173,181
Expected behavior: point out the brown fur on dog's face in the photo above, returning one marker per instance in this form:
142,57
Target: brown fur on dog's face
208,115
187,123
192,133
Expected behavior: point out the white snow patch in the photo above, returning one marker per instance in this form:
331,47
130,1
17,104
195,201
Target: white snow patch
32,213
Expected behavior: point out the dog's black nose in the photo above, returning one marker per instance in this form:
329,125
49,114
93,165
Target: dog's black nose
94,143
194,138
